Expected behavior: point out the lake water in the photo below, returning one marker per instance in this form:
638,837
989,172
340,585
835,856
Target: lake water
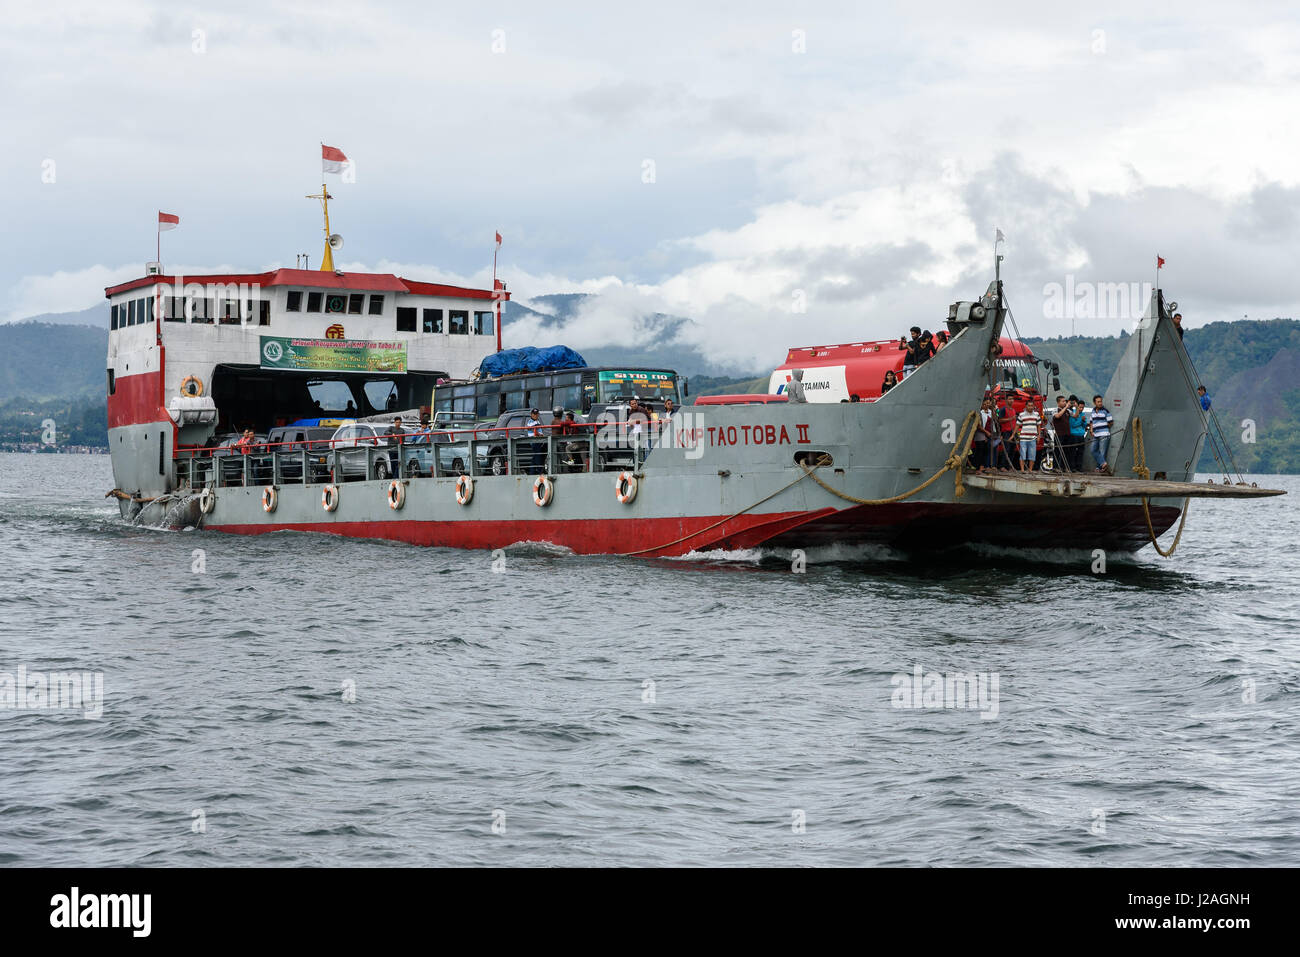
310,700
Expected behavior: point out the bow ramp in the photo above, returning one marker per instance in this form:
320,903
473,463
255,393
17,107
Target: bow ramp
1106,486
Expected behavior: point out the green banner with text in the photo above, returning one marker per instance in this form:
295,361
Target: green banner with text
332,355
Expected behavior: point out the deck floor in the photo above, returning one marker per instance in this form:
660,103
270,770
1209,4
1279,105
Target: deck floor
1081,485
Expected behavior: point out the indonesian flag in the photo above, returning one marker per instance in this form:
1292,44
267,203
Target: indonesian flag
1159,262
167,221
498,239
332,160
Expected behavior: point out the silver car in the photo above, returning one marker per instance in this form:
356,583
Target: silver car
358,444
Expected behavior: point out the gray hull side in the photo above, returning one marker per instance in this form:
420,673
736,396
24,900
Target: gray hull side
1155,382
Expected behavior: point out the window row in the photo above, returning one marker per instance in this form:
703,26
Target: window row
338,303
458,321
227,312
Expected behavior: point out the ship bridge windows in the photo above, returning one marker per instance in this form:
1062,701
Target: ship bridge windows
458,322
483,323
293,302
376,305
355,301
405,319
432,320
314,301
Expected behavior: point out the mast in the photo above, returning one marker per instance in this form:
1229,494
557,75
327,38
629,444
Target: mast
327,260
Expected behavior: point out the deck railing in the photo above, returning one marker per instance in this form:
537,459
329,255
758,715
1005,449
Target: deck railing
488,451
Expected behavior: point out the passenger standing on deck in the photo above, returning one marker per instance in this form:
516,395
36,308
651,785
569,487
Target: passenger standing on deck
1205,398
981,443
1099,423
1010,452
395,436
533,424
1027,426
891,380
913,350
927,347
1078,433
1178,324
637,420
1061,429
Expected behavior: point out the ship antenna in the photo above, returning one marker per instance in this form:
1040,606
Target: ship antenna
997,264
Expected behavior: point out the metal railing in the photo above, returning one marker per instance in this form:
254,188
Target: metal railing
487,451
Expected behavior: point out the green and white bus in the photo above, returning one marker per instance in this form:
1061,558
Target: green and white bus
571,389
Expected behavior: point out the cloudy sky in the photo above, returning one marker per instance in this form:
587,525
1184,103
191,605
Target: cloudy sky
727,162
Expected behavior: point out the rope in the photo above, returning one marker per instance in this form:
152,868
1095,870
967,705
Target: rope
1140,467
955,462
1139,452
1146,512
724,521
119,494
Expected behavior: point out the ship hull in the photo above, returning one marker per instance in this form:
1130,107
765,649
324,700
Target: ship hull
727,477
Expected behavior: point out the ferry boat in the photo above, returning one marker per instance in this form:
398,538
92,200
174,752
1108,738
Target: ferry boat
191,358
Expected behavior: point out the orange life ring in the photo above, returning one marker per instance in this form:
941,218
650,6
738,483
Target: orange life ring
329,498
396,494
464,490
270,498
543,491
194,393
625,487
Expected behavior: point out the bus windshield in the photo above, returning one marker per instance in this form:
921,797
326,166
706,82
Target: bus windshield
646,385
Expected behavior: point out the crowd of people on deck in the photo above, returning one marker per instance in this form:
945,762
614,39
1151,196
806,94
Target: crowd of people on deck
1012,433
919,349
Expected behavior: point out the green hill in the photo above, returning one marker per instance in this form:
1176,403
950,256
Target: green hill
47,360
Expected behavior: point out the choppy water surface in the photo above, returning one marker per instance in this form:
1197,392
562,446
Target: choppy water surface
602,710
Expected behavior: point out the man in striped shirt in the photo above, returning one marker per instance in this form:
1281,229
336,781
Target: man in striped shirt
1099,428
1028,423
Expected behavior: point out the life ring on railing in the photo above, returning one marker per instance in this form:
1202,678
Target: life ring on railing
543,491
464,490
270,498
207,500
329,498
192,386
625,487
396,494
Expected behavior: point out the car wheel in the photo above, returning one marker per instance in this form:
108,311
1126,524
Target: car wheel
413,469
381,469
499,465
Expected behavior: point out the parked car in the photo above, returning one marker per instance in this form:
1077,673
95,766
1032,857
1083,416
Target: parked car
294,439
350,443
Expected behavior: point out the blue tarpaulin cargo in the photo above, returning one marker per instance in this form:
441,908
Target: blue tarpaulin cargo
530,359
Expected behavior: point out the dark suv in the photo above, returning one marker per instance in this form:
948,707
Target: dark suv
293,439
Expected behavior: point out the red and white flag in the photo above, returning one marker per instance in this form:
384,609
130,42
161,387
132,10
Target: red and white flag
332,160
1159,261
167,221
498,239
